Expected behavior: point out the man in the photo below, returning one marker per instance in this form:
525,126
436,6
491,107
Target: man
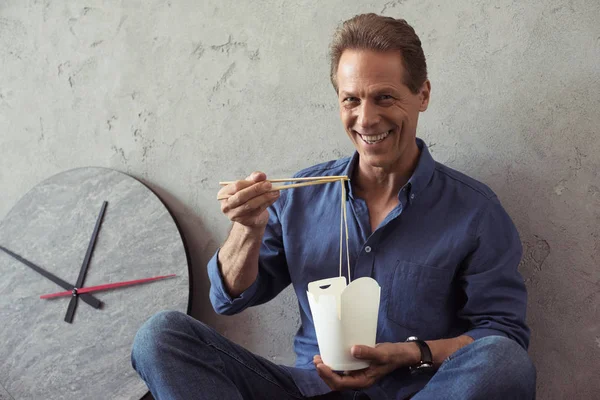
439,244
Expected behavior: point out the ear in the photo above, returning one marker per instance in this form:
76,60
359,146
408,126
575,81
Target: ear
425,95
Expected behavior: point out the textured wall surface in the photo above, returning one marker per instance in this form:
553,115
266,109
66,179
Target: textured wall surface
183,94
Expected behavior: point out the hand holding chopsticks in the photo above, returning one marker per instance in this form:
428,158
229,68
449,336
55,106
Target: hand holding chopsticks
245,202
316,180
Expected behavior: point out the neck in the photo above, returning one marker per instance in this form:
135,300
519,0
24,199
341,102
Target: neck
384,183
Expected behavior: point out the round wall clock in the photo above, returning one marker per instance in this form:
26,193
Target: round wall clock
85,258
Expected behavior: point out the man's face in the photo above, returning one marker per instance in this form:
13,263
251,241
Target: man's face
378,110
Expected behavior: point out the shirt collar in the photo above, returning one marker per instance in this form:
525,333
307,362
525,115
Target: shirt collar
349,170
417,182
423,172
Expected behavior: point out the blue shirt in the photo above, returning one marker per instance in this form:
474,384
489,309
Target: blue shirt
446,259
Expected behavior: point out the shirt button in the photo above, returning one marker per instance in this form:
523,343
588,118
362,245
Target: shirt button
368,249
412,196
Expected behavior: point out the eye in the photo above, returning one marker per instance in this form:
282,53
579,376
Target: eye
385,99
350,102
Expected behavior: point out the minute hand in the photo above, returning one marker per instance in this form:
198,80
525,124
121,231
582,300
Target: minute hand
88,298
85,265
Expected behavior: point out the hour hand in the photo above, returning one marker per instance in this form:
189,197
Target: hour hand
88,298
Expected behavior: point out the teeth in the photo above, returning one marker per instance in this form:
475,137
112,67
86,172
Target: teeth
371,139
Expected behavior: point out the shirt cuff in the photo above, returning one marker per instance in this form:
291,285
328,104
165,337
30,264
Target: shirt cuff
221,301
479,333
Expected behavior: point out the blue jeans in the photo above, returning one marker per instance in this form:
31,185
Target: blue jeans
181,358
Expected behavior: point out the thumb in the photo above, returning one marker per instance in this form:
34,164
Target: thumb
364,352
257,176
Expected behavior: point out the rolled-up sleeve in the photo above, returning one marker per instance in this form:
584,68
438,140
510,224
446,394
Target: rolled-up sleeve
222,302
496,297
272,278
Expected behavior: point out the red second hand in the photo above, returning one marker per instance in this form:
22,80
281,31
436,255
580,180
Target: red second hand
105,287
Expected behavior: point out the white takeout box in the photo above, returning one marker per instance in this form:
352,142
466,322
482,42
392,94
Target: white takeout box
344,316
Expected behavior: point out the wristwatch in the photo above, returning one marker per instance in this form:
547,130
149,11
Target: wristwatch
426,363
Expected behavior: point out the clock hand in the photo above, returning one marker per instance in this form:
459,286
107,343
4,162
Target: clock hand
86,263
107,286
91,300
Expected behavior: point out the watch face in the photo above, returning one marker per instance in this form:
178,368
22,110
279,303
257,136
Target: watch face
58,236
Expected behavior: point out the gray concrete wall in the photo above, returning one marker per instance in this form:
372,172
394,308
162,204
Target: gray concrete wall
183,94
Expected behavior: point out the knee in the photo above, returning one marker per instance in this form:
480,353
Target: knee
156,335
508,360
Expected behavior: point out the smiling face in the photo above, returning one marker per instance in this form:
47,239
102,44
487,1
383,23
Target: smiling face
378,111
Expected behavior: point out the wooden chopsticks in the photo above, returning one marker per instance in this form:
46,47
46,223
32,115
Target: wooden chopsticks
309,181
310,178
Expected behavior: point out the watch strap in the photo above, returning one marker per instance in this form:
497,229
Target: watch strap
426,363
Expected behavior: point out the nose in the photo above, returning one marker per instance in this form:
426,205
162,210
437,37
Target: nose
368,116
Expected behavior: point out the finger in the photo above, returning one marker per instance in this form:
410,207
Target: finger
366,353
253,207
231,189
235,187
335,381
328,376
362,352
244,194
355,379
317,360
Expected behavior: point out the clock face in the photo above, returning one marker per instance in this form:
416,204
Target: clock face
41,355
